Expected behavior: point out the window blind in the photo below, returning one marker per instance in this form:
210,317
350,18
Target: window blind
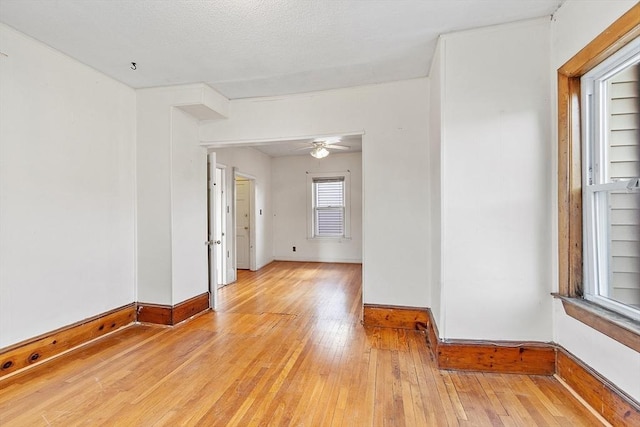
329,207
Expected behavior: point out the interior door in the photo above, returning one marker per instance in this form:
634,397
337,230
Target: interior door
211,242
243,223
219,235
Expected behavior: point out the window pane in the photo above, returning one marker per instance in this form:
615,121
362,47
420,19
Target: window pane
623,130
621,281
330,222
329,193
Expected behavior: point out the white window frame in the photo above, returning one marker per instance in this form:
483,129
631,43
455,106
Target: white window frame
346,177
595,184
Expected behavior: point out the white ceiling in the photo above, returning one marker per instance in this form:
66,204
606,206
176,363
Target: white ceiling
247,48
299,147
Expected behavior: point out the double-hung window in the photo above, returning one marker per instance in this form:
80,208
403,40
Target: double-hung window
611,174
329,207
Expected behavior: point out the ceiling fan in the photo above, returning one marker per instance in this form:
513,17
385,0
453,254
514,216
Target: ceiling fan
320,147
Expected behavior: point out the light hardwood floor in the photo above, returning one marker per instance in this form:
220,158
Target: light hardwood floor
286,347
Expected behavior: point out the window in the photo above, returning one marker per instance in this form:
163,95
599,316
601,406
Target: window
328,215
571,256
611,167
329,205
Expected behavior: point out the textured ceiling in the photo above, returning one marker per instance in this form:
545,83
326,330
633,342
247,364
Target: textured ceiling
300,147
246,48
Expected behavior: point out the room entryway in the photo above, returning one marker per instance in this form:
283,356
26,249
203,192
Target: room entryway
243,223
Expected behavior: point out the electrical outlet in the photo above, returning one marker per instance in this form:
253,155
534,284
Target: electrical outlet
294,249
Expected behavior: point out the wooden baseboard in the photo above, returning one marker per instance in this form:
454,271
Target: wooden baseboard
172,315
43,347
190,307
483,356
508,357
385,316
431,330
157,314
531,358
605,398
46,346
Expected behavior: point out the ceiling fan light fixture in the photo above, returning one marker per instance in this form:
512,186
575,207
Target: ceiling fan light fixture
319,152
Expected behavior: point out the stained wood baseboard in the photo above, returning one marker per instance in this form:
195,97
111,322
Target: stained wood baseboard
172,315
605,398
508,357
190,307
386,316
155,313
51,344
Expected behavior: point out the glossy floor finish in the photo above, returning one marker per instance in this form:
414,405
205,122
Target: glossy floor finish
286,348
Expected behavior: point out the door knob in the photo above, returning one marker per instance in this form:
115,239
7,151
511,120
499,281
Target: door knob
217,242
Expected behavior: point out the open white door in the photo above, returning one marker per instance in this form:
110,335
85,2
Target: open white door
220,226
212,242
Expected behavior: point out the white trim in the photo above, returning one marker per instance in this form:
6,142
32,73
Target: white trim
266,141
614,306
320,259
237,173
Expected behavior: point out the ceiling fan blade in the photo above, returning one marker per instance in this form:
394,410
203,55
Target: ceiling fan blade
310,147
337,147
328,141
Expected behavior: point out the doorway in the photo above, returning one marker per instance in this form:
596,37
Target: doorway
216,226
243,222
253,194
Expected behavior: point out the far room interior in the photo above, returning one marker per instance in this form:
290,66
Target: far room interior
268,202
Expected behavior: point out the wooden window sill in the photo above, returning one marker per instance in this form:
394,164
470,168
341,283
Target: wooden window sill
616,326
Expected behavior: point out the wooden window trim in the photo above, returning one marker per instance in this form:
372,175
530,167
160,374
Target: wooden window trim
570,272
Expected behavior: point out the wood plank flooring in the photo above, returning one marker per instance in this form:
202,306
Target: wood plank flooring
285,348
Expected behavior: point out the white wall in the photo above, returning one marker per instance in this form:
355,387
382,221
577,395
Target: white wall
575,24
171,173
153,211
395,181
67,138
436,134
258,165
290,209
497,243
189,209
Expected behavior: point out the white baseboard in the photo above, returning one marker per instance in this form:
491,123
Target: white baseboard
322,259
